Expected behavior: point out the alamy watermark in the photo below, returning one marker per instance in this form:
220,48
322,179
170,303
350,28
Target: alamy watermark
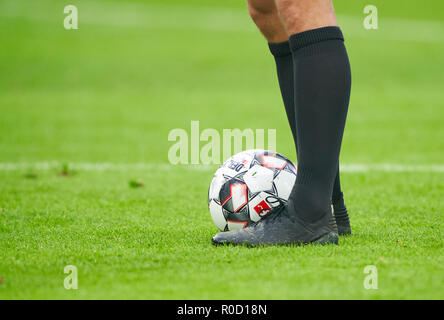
371,280
187,148
371,18
71,21
71,281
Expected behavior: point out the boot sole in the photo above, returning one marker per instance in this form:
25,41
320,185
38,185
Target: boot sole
329,238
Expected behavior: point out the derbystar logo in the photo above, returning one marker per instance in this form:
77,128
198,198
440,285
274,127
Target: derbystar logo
262,208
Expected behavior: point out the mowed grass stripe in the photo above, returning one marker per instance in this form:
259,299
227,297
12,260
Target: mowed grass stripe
109,166
97,97
157,16
154,242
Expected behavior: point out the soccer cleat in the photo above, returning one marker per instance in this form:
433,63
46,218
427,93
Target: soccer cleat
341,215
281,228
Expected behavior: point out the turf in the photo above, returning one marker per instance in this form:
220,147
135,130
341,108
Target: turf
111,92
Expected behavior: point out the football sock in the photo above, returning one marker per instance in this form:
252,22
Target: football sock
322,82
284,67
337,193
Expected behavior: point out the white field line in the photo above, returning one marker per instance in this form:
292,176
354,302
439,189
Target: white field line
181,17
144,166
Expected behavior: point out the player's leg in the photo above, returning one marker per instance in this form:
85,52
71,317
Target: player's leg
339,208
304,16
266,17
322,86
264,13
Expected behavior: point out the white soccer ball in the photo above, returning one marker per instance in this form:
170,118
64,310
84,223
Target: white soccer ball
248,186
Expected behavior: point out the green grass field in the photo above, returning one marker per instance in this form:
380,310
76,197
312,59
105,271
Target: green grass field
103,99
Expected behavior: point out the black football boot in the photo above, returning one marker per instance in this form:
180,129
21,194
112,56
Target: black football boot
341,216
282,228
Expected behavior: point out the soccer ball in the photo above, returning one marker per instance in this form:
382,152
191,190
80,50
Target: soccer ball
248,186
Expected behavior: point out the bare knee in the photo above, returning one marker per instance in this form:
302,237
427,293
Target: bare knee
302,15
261,9
265,15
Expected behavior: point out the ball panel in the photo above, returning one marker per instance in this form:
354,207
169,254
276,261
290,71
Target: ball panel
233,195
217,215
271,161
259,179
290,167
226,173
215,186
239,195
284,183
236,225
261,205
238,219
238,163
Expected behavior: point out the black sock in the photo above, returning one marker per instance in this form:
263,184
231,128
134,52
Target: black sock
322,83
284,67
337,193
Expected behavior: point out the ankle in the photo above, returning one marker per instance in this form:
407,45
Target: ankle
338,202
308,203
